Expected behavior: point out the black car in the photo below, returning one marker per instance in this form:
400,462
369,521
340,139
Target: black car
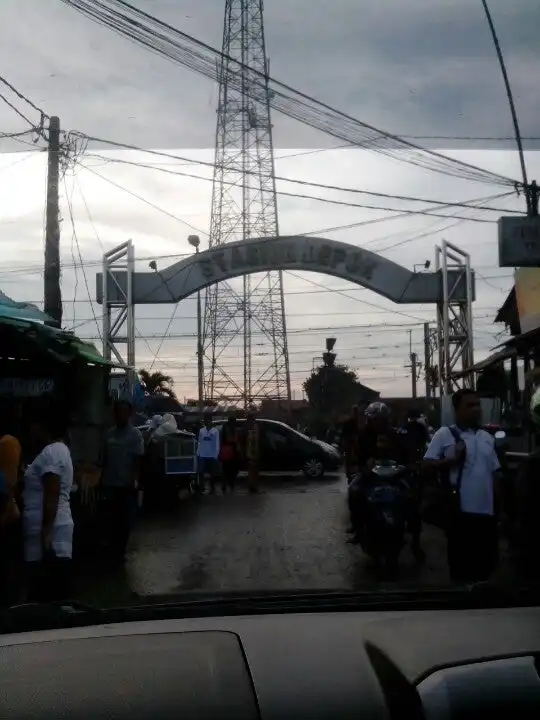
285,450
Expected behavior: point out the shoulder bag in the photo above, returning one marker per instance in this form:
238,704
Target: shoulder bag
445,502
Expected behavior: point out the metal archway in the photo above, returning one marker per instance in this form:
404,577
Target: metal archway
450,287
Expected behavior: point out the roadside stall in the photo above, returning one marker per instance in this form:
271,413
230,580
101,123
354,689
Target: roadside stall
41,366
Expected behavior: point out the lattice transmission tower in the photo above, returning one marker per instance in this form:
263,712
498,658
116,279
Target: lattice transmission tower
244,331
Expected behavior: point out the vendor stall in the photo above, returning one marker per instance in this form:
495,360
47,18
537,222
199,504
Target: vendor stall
42,367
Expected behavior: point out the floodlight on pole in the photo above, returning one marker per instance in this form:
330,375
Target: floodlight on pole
195,242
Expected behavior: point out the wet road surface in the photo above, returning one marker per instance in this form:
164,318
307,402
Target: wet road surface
292,536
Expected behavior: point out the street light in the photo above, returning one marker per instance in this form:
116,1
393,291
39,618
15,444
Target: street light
195,242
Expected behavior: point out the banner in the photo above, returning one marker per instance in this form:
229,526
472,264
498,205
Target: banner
527,282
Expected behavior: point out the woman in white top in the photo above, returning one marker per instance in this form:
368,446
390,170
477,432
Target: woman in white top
47,521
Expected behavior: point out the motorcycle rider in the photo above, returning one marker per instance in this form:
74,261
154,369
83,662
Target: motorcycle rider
415,438
377,417
398,446
349,440
416,430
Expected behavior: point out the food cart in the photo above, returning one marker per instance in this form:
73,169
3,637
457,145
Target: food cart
170,461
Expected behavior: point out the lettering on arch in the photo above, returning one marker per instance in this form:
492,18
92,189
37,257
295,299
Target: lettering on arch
278,255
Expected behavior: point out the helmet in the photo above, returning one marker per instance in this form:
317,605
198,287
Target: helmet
376,411
414,414
535,407
420,420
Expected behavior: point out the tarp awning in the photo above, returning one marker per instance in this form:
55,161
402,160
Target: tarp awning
21,310
494,359
63,346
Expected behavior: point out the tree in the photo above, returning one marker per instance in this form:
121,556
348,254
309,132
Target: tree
334,389
156,383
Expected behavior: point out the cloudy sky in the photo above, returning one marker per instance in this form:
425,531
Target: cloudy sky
421,68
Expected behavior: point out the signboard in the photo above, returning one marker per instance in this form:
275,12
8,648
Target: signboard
527,283
519,242
20,387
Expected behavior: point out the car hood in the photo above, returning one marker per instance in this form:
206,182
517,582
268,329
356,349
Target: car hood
326,447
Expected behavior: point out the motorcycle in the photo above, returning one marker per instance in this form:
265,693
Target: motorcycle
387,491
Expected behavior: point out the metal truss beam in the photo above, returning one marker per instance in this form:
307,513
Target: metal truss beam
455,340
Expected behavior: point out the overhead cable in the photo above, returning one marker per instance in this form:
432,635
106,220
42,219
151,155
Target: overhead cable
279,178
170,42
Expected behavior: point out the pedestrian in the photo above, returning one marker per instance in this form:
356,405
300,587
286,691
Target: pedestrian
229,454
207,454
122,461
11,546
465,455
47,520
252,453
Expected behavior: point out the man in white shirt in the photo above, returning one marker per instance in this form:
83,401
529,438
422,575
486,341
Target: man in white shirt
207,454
466,455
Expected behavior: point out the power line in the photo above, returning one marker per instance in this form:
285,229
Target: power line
72,219
15,109
39,129
283,193
144,200
169,42
328,313
511,104
21,96
279,178
471,138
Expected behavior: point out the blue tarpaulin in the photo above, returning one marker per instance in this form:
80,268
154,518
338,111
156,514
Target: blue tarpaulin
21,311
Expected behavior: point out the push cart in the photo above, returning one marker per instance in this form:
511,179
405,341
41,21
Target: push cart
171,466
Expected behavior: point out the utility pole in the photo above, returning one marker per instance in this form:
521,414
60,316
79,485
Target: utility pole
413,367
414,374
195,242
51,274
427,360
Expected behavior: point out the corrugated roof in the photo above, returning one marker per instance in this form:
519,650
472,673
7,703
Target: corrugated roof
494,359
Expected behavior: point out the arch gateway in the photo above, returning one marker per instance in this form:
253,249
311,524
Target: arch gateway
450,286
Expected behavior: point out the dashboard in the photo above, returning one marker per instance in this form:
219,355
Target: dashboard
301,666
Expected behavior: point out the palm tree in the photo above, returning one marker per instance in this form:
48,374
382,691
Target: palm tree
157,383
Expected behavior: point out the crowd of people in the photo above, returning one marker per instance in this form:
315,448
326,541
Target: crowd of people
36,525
38,509
220,455
464,458
37,481
37,501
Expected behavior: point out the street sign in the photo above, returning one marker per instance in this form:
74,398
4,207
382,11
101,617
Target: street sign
519,242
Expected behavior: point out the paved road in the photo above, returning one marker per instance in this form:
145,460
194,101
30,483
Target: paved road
292,536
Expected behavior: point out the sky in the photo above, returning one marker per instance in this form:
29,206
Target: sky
420,68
